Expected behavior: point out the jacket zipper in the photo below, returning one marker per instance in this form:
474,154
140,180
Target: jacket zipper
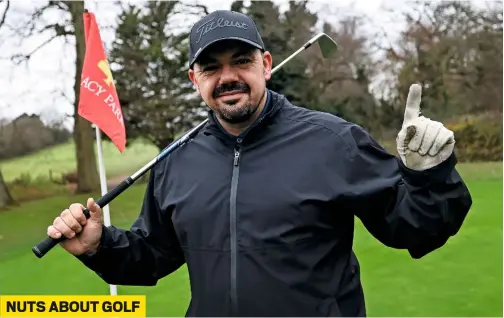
232,225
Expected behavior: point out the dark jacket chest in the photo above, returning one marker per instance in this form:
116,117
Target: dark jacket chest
277,192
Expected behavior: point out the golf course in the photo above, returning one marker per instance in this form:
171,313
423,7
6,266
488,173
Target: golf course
464,278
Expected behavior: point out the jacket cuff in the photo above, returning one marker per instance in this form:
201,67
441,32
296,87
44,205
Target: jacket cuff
432,175
91,260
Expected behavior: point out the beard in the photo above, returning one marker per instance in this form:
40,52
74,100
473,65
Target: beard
235,114
231,112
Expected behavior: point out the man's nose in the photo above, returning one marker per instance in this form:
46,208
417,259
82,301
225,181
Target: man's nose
227,75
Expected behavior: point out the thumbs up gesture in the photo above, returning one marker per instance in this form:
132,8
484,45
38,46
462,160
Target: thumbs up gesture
422,143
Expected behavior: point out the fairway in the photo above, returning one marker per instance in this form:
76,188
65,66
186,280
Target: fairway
464,278
61,159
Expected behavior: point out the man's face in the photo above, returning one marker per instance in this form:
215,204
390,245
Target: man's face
231,78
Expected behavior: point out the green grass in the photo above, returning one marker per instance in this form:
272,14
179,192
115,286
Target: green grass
61,159
464,278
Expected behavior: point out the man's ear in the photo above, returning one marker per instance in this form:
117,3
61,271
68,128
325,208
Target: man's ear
192,77
267,64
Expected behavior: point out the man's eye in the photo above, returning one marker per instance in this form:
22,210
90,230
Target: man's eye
243,61
209,68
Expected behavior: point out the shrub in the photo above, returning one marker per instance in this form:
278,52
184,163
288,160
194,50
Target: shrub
478,138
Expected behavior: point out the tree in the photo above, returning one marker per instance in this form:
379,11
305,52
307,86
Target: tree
5,196
339,85
4,13
283,35
342,85
455,51
69,27
87,171
150,63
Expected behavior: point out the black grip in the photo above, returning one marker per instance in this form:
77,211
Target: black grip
48,243
109,196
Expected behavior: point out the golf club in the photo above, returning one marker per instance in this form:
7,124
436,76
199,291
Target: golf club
327,47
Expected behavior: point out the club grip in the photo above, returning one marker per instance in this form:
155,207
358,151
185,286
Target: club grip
48,243
45,246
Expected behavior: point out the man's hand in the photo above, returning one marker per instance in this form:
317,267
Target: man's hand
422,143
83,235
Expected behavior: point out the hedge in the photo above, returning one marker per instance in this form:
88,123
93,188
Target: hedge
478,138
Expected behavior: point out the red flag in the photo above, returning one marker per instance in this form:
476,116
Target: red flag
98,101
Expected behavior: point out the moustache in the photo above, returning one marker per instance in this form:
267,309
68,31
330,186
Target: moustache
228,87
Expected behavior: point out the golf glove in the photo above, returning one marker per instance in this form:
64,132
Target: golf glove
422,143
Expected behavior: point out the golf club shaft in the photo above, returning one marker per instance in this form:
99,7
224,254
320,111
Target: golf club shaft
301,49
48,243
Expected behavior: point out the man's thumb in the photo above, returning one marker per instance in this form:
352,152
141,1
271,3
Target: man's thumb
94,210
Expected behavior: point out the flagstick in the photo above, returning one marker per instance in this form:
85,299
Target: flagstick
103,182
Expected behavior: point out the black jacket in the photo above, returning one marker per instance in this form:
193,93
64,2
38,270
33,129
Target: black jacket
265,222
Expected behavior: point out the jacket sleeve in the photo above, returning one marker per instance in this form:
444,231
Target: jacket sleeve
402,208
142,255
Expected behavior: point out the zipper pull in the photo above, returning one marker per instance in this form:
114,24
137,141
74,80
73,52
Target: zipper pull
236,157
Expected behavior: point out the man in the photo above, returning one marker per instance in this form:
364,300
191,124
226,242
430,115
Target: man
260,205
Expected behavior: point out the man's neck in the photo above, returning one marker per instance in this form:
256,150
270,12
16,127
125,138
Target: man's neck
237,129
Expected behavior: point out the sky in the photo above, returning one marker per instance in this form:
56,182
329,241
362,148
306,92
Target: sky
44,85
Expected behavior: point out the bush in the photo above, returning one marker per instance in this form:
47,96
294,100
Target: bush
27,134
478,138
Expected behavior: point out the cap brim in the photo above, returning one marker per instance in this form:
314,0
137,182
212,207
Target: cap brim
202,49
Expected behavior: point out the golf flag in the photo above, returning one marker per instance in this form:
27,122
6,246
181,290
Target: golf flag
98,101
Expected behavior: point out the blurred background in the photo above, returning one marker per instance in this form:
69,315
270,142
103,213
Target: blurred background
48,153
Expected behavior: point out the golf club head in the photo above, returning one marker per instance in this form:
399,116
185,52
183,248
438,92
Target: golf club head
327,45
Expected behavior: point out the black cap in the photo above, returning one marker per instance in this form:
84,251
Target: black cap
222,25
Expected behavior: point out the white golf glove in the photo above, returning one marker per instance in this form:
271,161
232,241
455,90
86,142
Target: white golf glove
422,143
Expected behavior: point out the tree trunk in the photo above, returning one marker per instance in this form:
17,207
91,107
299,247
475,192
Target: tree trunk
5,196
87,170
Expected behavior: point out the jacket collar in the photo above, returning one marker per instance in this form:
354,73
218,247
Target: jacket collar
270,110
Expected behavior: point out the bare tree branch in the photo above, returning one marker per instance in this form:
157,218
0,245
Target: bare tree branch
20,58
2,20
58,28
198,6
60,4
61,93
29,28
30,25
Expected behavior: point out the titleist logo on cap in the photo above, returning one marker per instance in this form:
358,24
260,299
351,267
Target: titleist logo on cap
220,23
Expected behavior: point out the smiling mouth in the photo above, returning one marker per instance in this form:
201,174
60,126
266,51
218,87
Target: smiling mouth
230,93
